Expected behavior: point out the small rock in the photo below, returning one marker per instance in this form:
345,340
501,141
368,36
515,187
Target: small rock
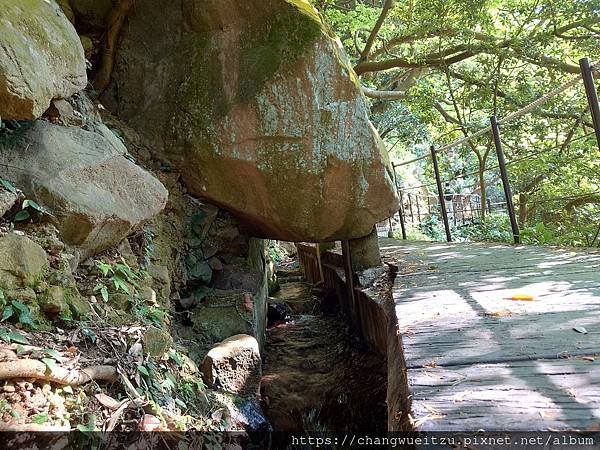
220,315
22,261
234,365
53,302
215,263
157,342
61,111
7,201
162,279
41,58
97,195
148,295
120,301
24,295
150,423
80,307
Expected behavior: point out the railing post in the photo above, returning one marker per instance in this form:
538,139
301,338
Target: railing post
349,274
400,213
438,181
505,182
592,96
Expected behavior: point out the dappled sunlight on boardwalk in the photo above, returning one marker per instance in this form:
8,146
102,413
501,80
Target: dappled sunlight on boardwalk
476,358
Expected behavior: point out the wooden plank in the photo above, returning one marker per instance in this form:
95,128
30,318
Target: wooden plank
478,360
525,396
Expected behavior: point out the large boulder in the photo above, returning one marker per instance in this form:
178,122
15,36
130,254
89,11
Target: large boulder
41,58
234,365
256,105
96,194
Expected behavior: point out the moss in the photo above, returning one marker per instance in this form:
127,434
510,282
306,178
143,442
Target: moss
265,48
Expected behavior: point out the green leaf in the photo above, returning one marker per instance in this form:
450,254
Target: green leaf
126,271
18,338
89,334
143,370
120,284
91,425
50,363
180,403
7,313
24,314
25,319
39,418
104,268
104,293
8,186
20,306
53,353
22,215
34,205
68,389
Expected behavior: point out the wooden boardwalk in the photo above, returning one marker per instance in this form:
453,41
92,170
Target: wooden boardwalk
478,360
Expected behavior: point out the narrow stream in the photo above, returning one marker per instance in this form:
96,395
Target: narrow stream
318,376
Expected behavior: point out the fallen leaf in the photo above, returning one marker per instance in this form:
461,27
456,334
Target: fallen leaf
135,349
499,313
522,297
149,423
107,401
580,330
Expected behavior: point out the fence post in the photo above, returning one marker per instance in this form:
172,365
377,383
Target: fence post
400,213
438,181
592,97
505,182
349,274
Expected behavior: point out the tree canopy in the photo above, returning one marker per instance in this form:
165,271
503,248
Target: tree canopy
436,70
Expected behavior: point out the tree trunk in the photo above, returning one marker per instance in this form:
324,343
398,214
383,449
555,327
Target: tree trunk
522,209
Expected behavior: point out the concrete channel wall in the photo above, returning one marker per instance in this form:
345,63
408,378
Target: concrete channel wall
371,313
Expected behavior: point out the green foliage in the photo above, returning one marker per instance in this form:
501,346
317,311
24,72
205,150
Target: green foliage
119,276
276,252
12,336
8,186
22,311
459,62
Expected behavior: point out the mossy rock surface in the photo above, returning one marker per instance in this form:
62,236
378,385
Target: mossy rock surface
22,261
41,58
157,342
260,110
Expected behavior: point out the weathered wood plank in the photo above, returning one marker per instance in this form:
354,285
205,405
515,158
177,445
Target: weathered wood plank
525,396
484,361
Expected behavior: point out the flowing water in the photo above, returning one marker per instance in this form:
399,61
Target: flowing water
317,374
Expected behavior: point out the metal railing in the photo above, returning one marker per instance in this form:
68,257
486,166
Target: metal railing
445,205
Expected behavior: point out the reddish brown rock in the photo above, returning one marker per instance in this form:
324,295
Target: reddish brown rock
257,106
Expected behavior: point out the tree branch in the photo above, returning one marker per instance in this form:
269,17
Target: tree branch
388,4
115,22
383,95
